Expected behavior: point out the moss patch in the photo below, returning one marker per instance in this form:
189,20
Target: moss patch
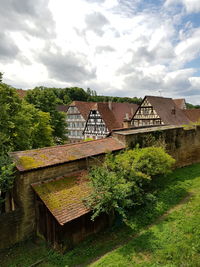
63,192
29,162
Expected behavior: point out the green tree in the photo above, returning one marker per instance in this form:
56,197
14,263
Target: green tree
46,100
22,126
191,106
110,191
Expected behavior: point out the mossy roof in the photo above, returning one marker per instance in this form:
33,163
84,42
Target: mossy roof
64,196
49,156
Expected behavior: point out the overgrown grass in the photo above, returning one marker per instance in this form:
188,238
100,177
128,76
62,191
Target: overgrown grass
174,241
159,245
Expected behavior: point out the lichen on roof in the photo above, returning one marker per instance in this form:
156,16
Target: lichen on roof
49,156
64,196
29,162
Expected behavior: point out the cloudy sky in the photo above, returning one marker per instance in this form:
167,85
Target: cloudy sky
116,47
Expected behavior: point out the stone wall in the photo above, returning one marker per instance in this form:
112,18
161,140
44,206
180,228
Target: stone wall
183,145
25,224
10,224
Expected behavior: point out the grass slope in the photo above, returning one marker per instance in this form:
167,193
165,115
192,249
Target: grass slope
173,240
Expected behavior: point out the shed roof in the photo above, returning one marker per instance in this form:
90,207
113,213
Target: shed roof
48,156
64,196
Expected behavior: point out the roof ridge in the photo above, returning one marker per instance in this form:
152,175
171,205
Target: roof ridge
52,147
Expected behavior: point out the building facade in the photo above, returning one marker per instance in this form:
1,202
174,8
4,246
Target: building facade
155,110
105,117
77,114
146,115
75,124
95,126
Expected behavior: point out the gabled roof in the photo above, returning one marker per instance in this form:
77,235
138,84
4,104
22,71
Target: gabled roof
64,196
62,108
113,114
180,103
192,114
49,156
83,107
107,115
123,110
167,110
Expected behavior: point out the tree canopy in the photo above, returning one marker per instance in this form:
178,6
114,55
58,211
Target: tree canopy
22,126
46,100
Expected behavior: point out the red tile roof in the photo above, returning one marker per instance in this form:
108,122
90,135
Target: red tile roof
43,157
62,108
167,110
83,107
113,114
193,114
107,115
64,196
180,103
123,110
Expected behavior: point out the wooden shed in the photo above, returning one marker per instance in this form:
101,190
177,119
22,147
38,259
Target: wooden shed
62,217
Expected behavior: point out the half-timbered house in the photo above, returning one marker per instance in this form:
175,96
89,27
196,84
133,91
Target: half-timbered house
156,110
105,117
77,114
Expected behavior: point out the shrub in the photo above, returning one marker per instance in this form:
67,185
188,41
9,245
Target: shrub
153,161
120,182
109,191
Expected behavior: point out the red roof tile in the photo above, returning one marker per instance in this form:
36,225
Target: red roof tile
39,158
180,103
62,108
113,114
167,110
193,114
83,107
64,196
123,110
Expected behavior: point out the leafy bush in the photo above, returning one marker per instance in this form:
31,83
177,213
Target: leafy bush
153,161
120,182
110,191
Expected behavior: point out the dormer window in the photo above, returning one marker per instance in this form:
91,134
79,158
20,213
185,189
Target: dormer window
173,111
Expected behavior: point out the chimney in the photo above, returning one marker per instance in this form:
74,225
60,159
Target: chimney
110,104
132,111
127,116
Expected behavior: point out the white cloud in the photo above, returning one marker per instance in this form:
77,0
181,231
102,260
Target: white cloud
112,46
190,5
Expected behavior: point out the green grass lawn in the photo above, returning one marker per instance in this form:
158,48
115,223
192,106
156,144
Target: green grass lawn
147,239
